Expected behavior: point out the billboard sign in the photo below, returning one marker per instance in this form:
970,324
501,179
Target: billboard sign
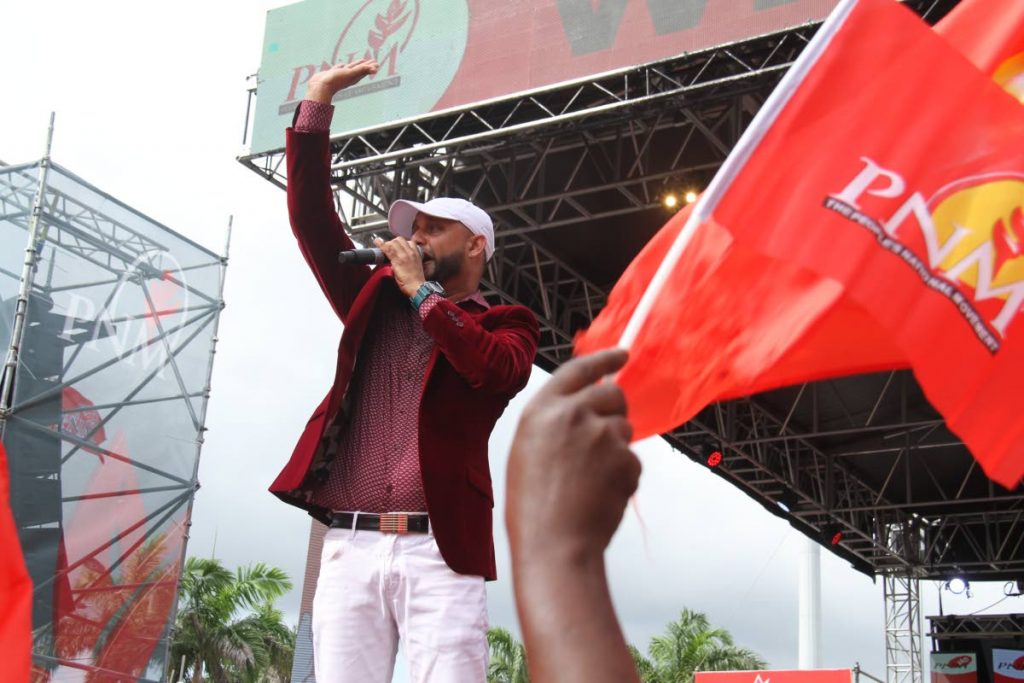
448,53
1007,666
954,667
805,676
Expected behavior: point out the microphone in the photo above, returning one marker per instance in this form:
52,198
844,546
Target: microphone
372,256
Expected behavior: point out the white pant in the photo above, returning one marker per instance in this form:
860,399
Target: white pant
375,588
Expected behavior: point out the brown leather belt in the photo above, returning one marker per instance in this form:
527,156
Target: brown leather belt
387,523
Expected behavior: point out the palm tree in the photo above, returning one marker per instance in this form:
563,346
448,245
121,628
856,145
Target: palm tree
266,624
690,645
644,667
227,624
508,658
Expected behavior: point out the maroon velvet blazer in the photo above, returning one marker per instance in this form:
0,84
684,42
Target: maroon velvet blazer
481,359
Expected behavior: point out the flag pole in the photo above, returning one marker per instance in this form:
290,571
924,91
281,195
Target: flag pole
748,142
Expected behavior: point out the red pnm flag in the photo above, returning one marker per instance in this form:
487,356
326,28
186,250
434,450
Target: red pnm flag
869,219
990,33
15,591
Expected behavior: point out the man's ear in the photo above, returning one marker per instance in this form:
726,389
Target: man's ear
477,246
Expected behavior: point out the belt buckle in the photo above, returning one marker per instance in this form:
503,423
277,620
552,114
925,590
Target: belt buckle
394,523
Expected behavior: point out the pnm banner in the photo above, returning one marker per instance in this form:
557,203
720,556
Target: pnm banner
1007,666
954,667
446,53
809,676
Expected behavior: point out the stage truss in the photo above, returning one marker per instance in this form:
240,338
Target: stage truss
953,630
575,175
108,323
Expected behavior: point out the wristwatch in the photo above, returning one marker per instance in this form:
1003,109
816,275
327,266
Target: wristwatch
426,289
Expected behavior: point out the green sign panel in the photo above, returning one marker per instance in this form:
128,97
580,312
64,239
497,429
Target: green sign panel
419,45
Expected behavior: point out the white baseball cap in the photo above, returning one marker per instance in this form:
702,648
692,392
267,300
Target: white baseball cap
403,212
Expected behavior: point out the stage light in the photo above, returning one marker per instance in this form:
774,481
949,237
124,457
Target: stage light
707,452
691,197
788,500
831,534
958,586
670,201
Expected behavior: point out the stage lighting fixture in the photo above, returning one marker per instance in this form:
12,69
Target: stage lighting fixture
958,586
832,534
691,197
707,452
788,500
670,201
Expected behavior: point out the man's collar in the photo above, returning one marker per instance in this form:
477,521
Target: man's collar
477,298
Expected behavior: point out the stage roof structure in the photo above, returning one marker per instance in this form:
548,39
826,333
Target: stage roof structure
575,175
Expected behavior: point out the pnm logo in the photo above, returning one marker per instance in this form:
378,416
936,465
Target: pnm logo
143,318
972,234
961,662
380,30
981,225
1015,665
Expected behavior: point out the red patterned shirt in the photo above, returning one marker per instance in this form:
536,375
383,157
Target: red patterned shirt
374,454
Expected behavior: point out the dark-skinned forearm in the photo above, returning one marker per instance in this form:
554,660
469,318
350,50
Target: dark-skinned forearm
569,626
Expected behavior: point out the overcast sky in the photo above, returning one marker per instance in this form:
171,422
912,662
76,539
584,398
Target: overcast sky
150,101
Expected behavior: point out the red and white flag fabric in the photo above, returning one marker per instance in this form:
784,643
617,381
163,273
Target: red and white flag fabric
870,218
15,591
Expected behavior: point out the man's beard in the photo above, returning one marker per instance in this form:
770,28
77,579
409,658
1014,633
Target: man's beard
446,267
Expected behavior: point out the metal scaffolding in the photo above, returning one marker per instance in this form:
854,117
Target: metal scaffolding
903,657
104,393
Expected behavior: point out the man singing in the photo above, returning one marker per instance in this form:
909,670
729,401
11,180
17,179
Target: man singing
394,459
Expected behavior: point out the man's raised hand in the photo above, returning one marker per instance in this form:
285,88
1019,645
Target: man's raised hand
323,86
